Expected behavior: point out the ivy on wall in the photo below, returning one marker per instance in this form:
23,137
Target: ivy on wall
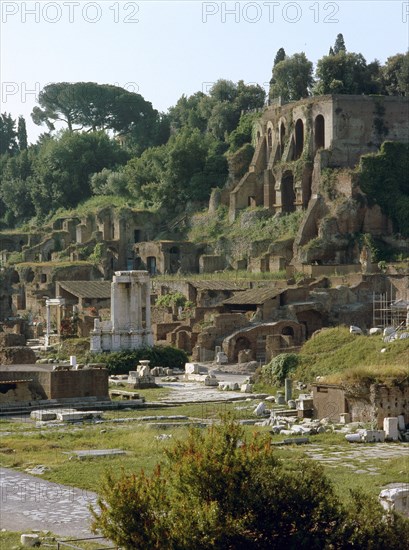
384,177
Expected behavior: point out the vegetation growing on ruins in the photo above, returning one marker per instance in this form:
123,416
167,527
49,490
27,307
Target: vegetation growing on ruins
121,362
337,354
384,177
250,226
170,161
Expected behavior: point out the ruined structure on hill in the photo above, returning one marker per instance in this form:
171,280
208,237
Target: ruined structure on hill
305,159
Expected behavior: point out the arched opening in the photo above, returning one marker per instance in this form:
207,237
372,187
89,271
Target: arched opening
282,138
312,320
241,344
151,264
306,191
174,259
319,132
29,276
287,192
299,138
15,278
269,138
258,137
287,331
137,236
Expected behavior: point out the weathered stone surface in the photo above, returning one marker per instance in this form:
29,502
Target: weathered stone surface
43,415
18,355
396,498
390,425
30,540
71,415
260,409
192,368
9,339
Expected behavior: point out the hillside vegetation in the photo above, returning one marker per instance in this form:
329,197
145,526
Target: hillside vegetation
339,356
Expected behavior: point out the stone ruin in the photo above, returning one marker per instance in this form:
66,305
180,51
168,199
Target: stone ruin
130,323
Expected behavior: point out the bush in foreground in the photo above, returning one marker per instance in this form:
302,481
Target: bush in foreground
218,491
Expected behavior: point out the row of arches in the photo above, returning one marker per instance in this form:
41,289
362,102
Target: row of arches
299,136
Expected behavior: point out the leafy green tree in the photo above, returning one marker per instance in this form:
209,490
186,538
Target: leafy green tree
243,132
22,133
395,75
109,182
345,73
186,112
63,168
94,107
279,368
146,176
220,490
8,143
339,45
292,78
280,56
16,186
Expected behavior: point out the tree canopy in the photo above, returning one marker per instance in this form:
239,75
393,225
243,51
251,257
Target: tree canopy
89,106
292,78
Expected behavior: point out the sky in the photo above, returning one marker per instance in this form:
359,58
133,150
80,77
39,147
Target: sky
163,49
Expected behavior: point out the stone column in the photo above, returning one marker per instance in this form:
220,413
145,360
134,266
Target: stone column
148,306
48,325
288,389
114,306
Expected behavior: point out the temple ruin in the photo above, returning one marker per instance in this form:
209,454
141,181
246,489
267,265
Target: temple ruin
130,323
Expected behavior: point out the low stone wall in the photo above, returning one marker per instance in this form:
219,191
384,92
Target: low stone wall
371,404
62,384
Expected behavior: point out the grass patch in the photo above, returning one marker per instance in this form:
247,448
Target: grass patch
337,353
233,275
10,540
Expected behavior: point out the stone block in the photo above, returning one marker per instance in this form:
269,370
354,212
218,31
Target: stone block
280,399
43,415
373,436
390,425
77,416
192,368
344,418
260,409
396,498
30,540
221,358
211,381
401,423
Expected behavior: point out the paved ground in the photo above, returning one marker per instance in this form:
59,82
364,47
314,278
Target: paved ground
197,392
27,502
359,457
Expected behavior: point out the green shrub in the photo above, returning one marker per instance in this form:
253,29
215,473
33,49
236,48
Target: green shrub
121,362
172,299
279,368
218,490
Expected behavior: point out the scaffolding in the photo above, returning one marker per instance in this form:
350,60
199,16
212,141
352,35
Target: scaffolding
389,312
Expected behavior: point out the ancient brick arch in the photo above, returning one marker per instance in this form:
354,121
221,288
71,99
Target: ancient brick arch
287,192
241,344
299,138
282,137
319,132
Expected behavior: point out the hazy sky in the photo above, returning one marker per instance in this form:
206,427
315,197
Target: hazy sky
165,49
